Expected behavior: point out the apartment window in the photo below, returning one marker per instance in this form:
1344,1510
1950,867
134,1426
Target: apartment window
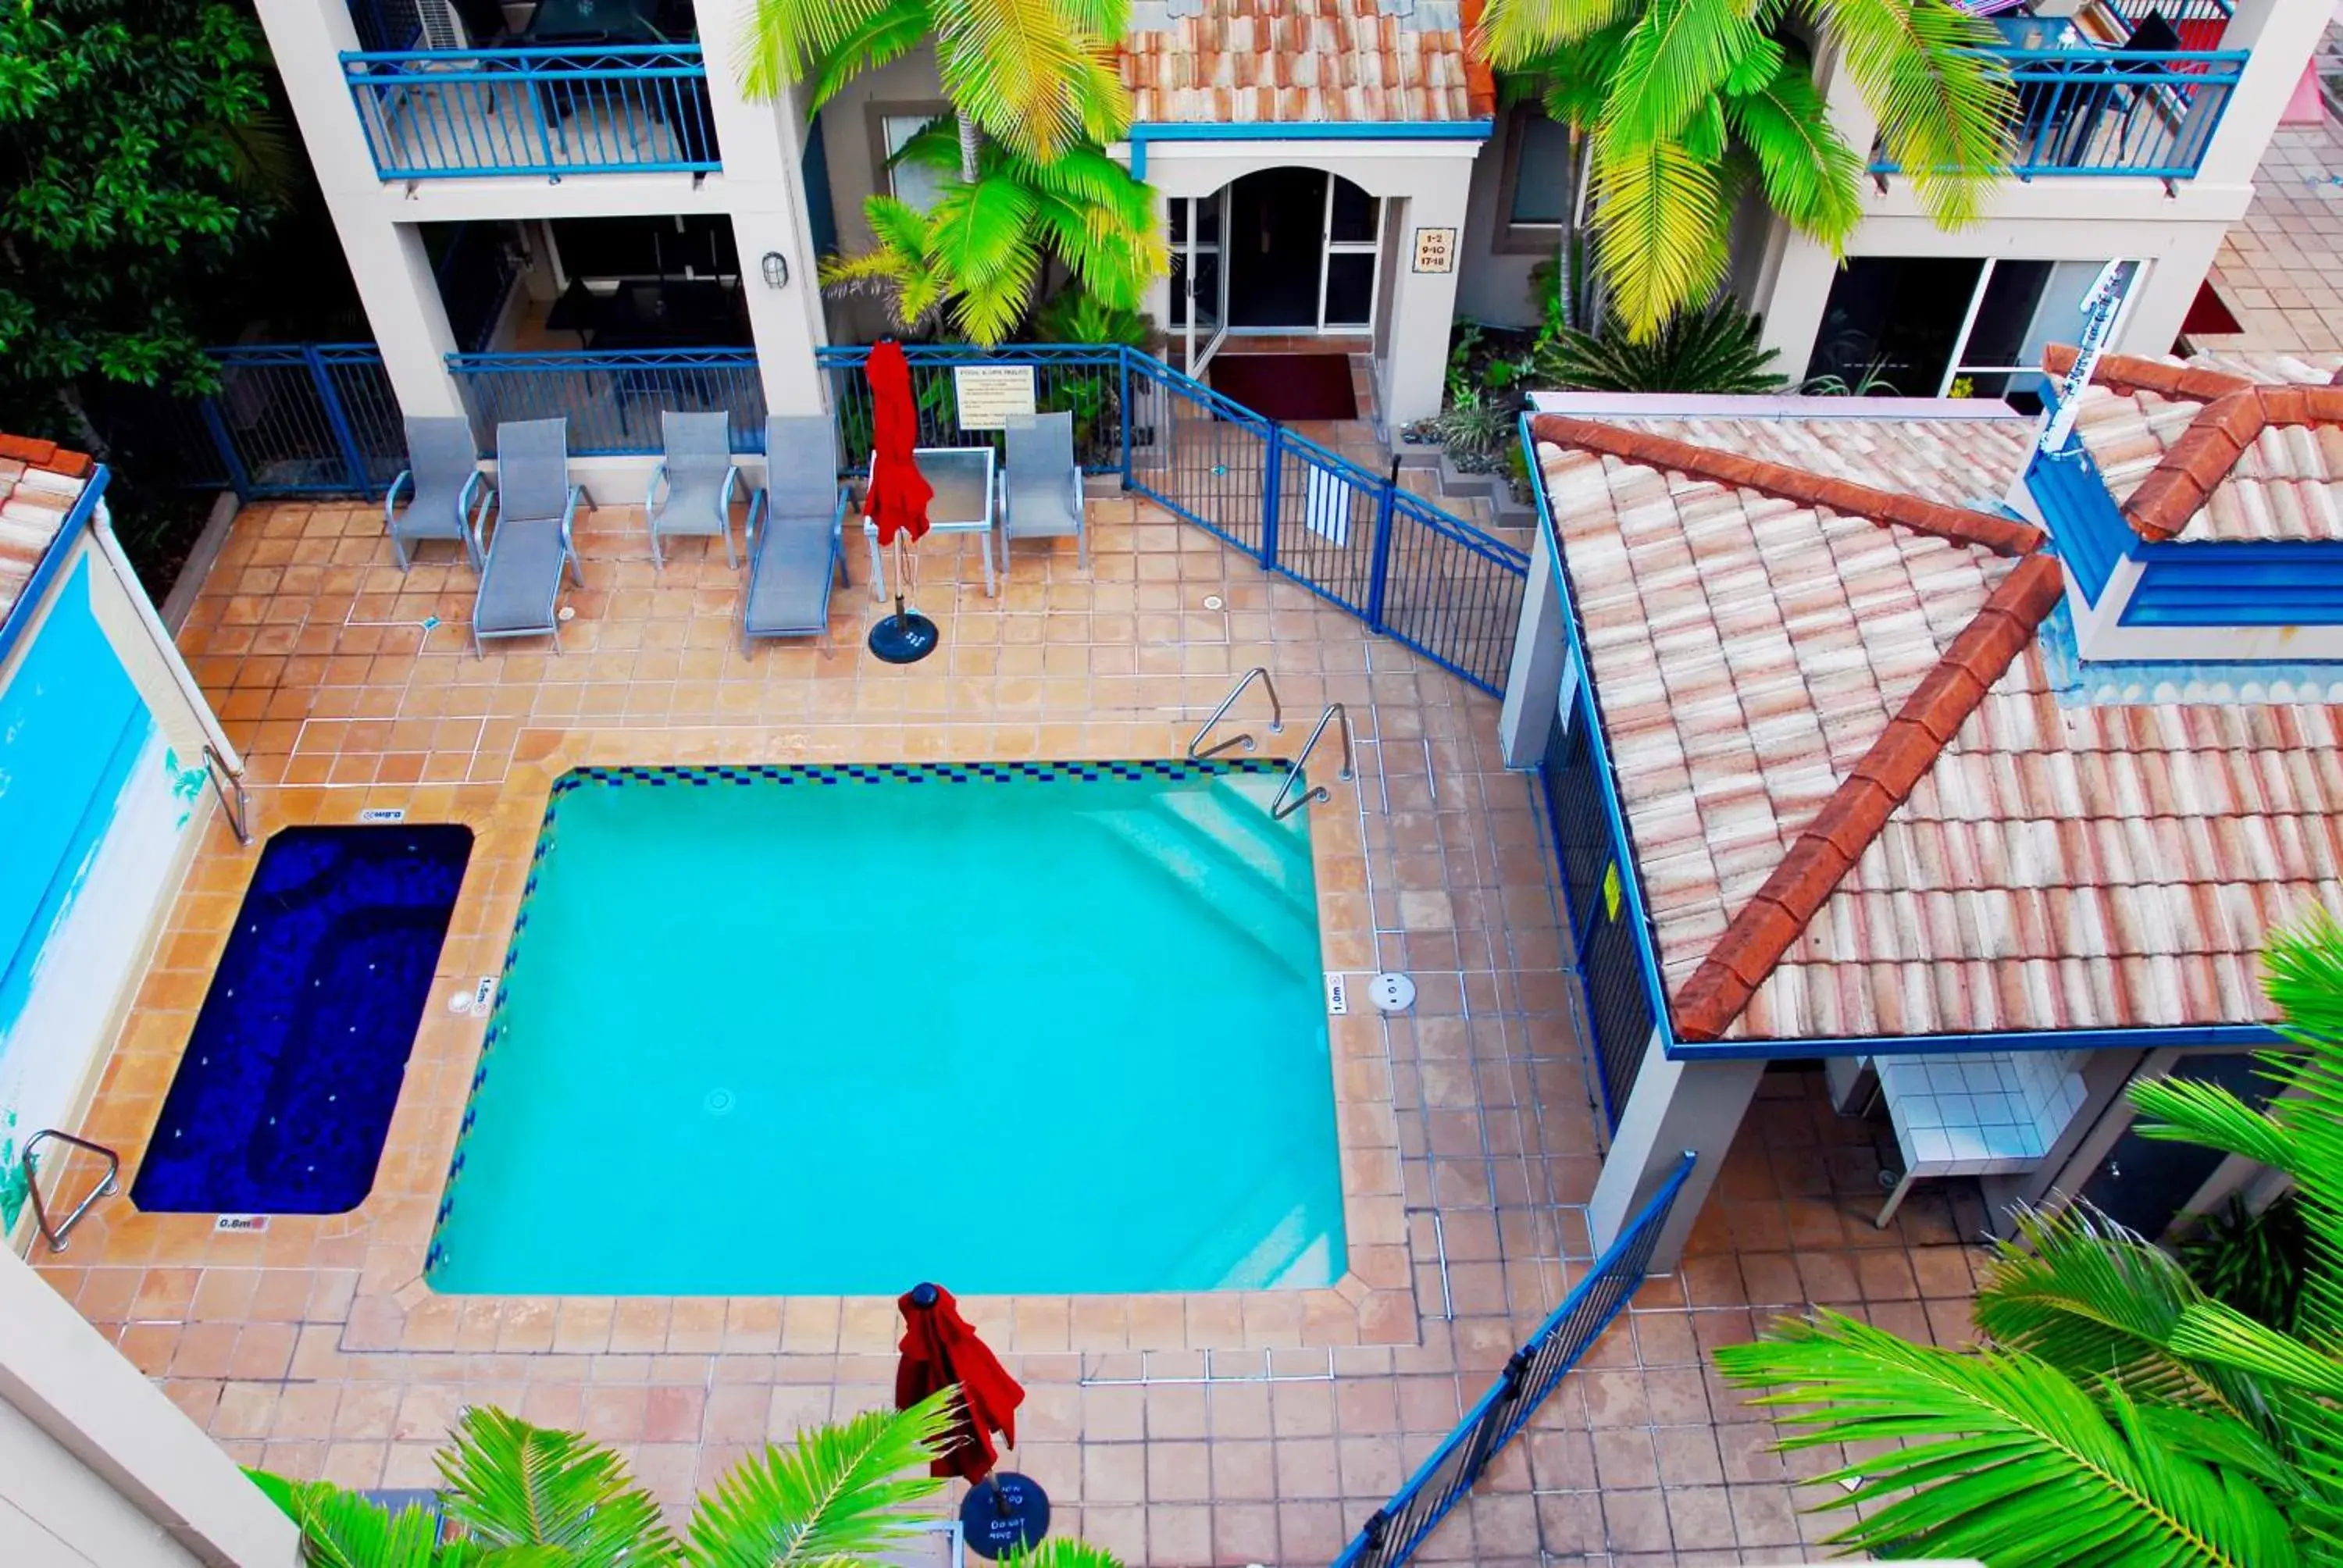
1533,184
915,183
1941,326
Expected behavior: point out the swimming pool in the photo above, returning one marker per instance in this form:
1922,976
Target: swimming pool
1019,1027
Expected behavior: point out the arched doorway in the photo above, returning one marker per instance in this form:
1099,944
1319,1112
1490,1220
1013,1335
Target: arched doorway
1285,250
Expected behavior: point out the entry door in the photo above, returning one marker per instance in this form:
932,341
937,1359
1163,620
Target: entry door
1207,279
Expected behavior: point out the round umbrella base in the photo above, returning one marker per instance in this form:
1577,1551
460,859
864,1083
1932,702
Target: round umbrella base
904,638
1004,1513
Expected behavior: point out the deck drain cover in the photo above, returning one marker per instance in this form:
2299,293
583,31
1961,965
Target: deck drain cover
720,1102
1212,601
1392,992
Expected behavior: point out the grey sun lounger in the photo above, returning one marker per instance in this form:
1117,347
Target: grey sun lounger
700,476
446,491
520,574
1041,493
795,527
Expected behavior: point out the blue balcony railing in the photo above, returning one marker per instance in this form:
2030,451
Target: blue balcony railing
2143,113
442,113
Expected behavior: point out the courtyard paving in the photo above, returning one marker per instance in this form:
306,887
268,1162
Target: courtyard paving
1237,1427
2280,270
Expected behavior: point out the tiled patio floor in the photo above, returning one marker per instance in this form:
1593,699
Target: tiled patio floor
1224,1428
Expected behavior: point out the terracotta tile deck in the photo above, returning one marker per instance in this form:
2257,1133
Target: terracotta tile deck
1258,1427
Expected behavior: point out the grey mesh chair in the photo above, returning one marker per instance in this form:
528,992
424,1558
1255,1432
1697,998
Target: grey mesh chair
796,524
1042,496
700,476
520,572
445,491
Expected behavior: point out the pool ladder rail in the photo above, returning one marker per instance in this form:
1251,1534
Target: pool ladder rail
1281,808
1198,751
54,1233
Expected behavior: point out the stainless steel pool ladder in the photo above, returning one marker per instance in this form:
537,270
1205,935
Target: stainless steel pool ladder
228,785
56,1234
1335,715
1276,717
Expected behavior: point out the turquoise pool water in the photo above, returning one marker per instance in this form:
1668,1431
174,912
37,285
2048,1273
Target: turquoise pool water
1046,1027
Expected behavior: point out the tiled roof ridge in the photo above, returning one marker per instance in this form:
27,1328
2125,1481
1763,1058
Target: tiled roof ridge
1479,81
45,455
1960,525
1761,934
2236,412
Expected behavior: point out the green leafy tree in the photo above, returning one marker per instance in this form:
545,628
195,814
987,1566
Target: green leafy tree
1683,104
522,1496
2118,1413
977,257
139,161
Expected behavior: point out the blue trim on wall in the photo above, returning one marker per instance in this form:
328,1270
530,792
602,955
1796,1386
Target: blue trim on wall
51,561
1302,131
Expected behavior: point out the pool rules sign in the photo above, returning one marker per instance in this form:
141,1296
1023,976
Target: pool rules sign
989,396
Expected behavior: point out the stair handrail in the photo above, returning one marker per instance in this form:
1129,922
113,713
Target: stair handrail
238,807
1336,714
56,1234
1276,717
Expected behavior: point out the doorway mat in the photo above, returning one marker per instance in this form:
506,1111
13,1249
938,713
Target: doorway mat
283,1099
1284,386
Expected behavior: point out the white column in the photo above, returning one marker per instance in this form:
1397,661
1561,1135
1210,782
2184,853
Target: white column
1801,270
1541,646
97,1466
2281,34
1423,305
385,258
762,145
1674,1107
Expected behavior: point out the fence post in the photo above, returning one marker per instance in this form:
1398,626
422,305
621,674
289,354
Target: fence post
1272,472
338,419
1379,572
238,479
1122,362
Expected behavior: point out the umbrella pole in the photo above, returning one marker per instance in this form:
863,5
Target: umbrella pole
905,636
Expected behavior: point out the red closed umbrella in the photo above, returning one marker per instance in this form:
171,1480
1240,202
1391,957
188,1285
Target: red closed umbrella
1007,1513
897,503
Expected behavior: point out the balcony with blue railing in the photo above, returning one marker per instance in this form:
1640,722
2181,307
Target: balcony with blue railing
446,114
2111,93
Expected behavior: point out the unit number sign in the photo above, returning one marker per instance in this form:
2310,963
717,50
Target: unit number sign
1436,250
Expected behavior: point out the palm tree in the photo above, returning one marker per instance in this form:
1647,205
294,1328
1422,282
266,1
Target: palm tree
2116,1413
979,254
1685,102
523,1496
1036,75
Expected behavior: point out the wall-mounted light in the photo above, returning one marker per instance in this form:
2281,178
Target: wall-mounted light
777,269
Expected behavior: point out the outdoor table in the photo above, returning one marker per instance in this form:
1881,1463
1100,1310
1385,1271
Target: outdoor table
962,478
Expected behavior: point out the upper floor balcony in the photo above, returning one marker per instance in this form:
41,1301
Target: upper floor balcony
2115,89
458,88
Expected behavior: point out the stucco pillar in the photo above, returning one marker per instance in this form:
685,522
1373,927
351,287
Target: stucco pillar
1674,1107
97,1466
1541,649
385,258
1423,305
762,143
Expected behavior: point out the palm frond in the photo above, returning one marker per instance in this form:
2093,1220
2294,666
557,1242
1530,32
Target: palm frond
1020,68
1661,235
840,1492
885,35
1671,64
1514,33
1810,177
2218,1334
1574,77
786,39
1062,1552
2083,1294
1968,1452
2302,973
343,1530
1716,350
510,1484
1943,101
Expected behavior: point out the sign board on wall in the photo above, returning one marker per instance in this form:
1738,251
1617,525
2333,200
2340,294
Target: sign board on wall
989,396
1436,250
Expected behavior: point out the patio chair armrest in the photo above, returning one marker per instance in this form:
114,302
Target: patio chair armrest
650,491
464,502
724,500
569,510
756,516
1075,484
390,496
494,504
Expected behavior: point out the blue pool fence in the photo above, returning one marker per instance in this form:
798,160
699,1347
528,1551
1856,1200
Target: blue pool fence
1393,1532
313,419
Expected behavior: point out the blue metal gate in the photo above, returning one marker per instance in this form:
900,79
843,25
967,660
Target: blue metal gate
305,419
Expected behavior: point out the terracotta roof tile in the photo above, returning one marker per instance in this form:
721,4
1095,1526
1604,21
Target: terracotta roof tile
1247,61
2046,866
39,482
